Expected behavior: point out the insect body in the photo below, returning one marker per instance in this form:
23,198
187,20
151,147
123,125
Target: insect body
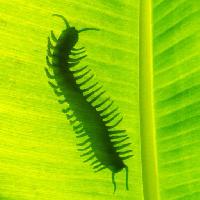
94,122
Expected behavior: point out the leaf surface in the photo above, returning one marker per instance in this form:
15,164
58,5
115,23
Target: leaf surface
177,97
38,152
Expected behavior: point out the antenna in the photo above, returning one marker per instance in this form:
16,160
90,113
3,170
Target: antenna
88,29
63,18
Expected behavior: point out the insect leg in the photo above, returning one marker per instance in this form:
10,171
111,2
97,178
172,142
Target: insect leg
79,70
103,102
113,181
62,101
69,116
82,75
96,97
65,110
90,158
79,131
48,62
82,135
74,49
90,87
58,93
110,113
88,79
97,166
94,162
110,127
87,153
118,136
122,146
120,141
74,54
106,108
116,132
76,59
85,148
50,45
53,85
126,168
103,167
48,74
111,119
85,142
53,37
125,152
93,92
126,157
71,65
49,53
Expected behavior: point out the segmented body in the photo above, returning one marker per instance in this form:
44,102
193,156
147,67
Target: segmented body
94,122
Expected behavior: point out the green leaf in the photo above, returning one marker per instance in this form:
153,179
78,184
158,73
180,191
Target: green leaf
152,74
169,99
177,97
146,97
38,153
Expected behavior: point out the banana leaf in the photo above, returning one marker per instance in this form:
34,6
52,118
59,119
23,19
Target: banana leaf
38,149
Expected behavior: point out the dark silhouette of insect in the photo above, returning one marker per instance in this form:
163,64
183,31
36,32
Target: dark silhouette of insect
93,119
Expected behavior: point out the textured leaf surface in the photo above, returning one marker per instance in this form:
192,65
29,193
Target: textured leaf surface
38,154
177,97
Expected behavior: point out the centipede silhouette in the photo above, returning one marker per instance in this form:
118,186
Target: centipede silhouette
103,145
